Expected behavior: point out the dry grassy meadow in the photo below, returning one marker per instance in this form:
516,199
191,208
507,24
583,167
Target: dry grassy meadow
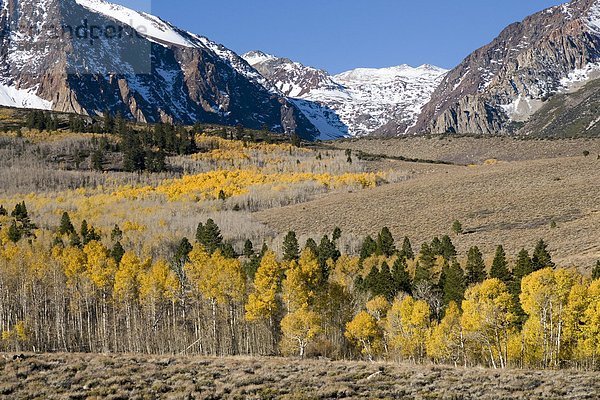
510,193
83,376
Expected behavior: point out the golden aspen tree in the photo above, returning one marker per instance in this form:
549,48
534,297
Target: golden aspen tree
364,332
544,297
299,328
126,294
219,280
263,302
578,302
445,343
590,341
128,276
302,280
378,307
345,271
488,320
101,269
100,266
408,323
159,283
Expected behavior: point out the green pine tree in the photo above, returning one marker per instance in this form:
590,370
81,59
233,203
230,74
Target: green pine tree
436,247
427,257
66,227
448,250
407,250
14,233
184,248
84,232
248,248
385,282
117,252
454,283
541,257
385,243
3,211
337,234
457,227
499,268
209,236
523,267
312,246
596,271
371,281
228,251
422,274
326,251
74,240
291,248
475,269
117,234
401,277
369,247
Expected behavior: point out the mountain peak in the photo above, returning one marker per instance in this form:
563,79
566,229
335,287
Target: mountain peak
500,86
256,56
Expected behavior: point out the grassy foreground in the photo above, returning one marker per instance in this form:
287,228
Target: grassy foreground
88,376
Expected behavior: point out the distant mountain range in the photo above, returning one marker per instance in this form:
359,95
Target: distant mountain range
355,103
90,56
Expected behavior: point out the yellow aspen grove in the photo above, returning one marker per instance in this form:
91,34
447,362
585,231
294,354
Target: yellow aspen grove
221,282
126,294
408,323
299,328
263,303
378,307
488,320
364,332
589,343
345,271
579,301
544,298
101,269
445,344
302,281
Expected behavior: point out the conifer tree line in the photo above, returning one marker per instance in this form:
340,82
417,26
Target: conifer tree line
74,289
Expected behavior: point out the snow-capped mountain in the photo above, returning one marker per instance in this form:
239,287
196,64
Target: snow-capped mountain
500,87
88,56
355,103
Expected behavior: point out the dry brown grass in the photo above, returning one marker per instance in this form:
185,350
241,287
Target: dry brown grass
510,203
467,150
84,376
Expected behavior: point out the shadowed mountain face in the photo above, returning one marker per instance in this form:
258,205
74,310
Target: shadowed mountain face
88,56
500,86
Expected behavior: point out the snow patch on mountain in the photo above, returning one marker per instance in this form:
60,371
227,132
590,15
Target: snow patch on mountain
145,24
594,18
354,103
256,57
13,97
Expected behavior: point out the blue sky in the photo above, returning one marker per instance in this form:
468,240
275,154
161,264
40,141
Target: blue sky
338,35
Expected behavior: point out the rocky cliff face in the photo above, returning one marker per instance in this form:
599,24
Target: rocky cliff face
500,86
88,56
360,102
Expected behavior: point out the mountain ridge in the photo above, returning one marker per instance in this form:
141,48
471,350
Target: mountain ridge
502,84
358,102
150,72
